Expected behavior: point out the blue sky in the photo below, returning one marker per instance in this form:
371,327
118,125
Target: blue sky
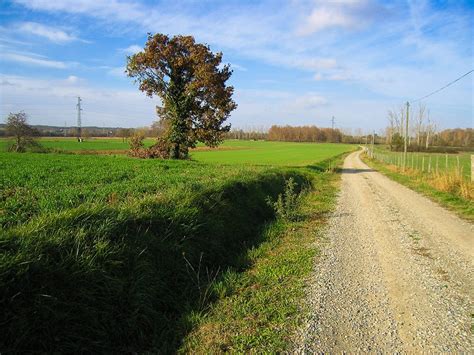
295,62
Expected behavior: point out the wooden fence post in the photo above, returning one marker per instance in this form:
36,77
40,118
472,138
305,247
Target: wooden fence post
472,168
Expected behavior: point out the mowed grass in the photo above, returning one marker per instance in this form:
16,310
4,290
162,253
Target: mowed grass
109,253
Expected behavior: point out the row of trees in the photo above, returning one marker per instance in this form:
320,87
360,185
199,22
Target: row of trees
423,131
304,134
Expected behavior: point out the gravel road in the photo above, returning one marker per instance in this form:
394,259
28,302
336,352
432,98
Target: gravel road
396,273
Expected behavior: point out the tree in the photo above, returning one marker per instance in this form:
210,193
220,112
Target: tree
419,122
397,142
191,84
17,126
86,133
125,133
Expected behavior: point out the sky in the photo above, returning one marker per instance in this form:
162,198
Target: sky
295,62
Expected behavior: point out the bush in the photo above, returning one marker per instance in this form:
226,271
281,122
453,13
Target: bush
161,149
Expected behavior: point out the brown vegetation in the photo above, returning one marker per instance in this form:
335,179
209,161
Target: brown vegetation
304,134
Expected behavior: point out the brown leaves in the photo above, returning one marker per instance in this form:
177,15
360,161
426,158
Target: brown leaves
187,77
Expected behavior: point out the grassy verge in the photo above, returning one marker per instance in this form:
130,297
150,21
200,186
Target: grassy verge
123,274
260,309
418,182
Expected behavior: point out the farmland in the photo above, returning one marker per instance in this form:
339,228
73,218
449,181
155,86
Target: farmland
136,247
230,152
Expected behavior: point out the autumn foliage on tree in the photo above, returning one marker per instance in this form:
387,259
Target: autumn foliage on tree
191,83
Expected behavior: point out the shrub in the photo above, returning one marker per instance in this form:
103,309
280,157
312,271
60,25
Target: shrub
287,204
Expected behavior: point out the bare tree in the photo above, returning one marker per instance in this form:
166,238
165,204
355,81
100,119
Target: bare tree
392,120
18,127
430,129
419,122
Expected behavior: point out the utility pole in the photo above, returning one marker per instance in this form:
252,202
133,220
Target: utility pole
406,138
79,123
332,121
65,128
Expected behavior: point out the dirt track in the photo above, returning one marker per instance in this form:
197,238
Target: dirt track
397,273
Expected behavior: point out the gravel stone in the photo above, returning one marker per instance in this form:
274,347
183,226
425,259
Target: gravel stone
396,273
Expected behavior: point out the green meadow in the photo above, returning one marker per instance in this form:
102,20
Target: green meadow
103,252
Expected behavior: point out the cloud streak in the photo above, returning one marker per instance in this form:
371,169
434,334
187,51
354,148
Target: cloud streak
33,60
51,33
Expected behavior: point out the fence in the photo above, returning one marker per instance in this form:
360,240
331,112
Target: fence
430,163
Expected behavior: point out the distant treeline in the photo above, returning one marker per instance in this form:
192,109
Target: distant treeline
304,134
248,135
458,137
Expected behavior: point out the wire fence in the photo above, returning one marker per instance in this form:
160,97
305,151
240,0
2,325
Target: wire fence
429,163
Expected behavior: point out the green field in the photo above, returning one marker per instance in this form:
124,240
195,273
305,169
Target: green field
433,161
230,152
71,144
110,253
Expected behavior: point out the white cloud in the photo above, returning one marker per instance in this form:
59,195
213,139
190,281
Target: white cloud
72,79
369,48
310,101
117,72
51,33
33,60
126,108
339,14
322,18
135,48
238,67
116,9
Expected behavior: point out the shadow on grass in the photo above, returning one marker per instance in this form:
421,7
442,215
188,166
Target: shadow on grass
129,279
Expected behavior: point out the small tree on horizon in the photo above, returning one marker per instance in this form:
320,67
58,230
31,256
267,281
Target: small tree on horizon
18,127
191,84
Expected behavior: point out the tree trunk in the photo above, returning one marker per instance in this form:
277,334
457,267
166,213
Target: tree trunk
175,152
18,143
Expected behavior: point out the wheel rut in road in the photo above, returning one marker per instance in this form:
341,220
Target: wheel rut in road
396,273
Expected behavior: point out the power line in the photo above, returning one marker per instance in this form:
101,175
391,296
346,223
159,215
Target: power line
444,87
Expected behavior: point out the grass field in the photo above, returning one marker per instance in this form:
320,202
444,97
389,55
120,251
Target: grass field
433,161
230,152
110,253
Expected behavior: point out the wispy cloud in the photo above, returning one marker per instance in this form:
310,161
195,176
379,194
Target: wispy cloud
368,49
127,108
51,33
34,60
134,48
238,67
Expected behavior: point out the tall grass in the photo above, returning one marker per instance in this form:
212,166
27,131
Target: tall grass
451,189
452,182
